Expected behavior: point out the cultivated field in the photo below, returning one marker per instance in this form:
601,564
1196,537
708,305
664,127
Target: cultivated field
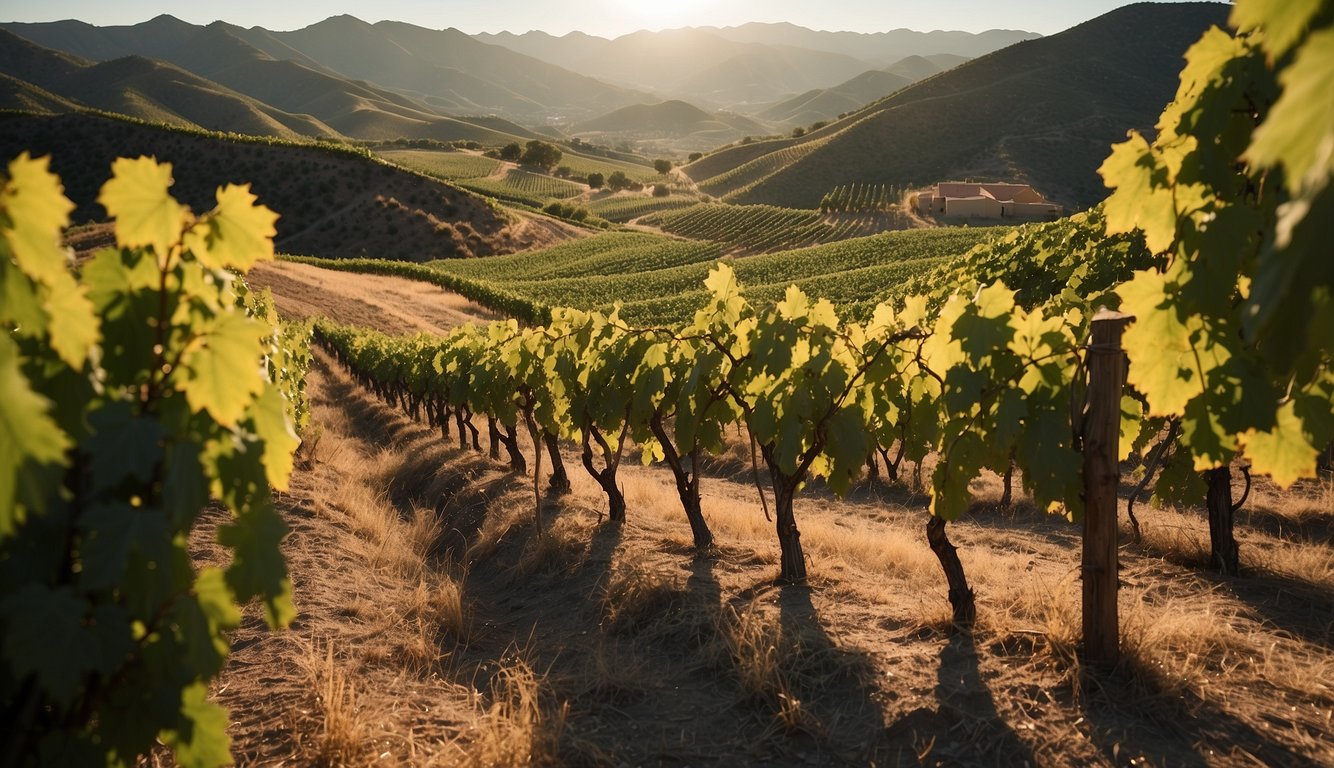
436,628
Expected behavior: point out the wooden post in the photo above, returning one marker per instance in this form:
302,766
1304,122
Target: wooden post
1102,473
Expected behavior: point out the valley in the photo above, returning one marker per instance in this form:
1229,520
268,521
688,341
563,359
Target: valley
379,392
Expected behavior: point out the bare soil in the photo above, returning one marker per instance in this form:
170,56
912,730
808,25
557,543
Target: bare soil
439,626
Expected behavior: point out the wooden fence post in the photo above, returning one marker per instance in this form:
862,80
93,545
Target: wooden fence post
1102,474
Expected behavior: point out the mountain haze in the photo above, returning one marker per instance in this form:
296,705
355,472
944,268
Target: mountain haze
1043,112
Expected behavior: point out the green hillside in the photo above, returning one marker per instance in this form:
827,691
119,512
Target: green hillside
144,88
669,118
333,202
1043,111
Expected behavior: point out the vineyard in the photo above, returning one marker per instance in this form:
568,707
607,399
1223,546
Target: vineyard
766,228
451,166
622,208
736,181
1054,494
856,198
523,187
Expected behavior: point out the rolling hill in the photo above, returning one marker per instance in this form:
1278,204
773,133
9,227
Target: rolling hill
440,71
761,74
669,119
332,202
139,87
1043,112
828,103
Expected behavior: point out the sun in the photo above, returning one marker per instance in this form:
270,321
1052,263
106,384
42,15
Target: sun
662,12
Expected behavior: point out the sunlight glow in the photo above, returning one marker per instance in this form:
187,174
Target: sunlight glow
660,13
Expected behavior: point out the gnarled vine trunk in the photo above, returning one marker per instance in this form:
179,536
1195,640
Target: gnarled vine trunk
961,596
687,484
560,482
1222,545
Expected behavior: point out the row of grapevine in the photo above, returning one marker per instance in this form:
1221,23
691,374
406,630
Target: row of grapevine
762,228
621,208
524,187
854,198
133,393
451,166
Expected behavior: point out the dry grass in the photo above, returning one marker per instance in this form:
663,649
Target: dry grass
343,732
519,727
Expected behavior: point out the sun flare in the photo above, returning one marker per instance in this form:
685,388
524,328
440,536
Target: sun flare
662,12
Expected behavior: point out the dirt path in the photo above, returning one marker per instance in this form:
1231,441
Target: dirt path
388,304
467,638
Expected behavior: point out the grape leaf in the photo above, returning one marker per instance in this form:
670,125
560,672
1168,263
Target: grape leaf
222,368
37,210
236,234
1284,453
1299,131
1283,21
274,426
45,637
200,738
136,197
27,434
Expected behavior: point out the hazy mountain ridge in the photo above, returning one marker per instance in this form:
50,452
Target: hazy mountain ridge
1043,112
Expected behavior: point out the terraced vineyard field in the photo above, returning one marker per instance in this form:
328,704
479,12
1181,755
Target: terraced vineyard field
659,280
451,166
763,228
740,179
523,187
621,208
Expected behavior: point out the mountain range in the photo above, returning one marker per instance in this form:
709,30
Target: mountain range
1043,111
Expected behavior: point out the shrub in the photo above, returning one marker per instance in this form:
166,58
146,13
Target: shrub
660,190
596,180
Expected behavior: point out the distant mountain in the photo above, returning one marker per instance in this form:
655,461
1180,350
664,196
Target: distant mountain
921,67
330,203
441,71
564,51
298,86
1043,112
879,48
669,119
828,103
823,104
762,74
649,59
143,88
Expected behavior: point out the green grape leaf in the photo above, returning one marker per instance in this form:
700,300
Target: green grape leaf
199,739
1142,198
28,436
1178,483
136,197
1208,442
1299,131
45,637
124,445
236,234
111,532
222,368
1283,21
73,325
274,426
1157,343
37,210
1284,453
257,569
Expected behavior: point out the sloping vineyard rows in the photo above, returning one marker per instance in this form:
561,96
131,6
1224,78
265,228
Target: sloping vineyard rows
855,198
518,186
763,228
740,179
621,209
451,166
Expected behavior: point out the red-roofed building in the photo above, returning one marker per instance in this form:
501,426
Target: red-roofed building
956,199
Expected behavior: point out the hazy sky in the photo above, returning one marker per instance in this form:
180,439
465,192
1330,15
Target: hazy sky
601,17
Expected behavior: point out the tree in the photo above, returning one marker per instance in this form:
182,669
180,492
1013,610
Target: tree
661,190
618,181
562,172
798,132
511,151
596,180
540,154
695,156
662,166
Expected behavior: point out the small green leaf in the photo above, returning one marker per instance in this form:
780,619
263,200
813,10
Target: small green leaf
37,210
136,197
257,569
236,234
199,739
45,637
1284,453
222,368
274,426
28,435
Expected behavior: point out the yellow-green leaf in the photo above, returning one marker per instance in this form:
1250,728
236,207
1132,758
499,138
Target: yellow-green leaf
136,197
1284,453
37,209
236,234
222,371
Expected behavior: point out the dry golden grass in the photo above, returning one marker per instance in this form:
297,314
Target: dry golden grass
518,727
649,653
343,732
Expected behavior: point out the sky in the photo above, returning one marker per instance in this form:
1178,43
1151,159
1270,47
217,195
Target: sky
607,18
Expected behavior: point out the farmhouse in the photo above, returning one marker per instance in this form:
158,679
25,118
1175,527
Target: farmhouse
986,201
